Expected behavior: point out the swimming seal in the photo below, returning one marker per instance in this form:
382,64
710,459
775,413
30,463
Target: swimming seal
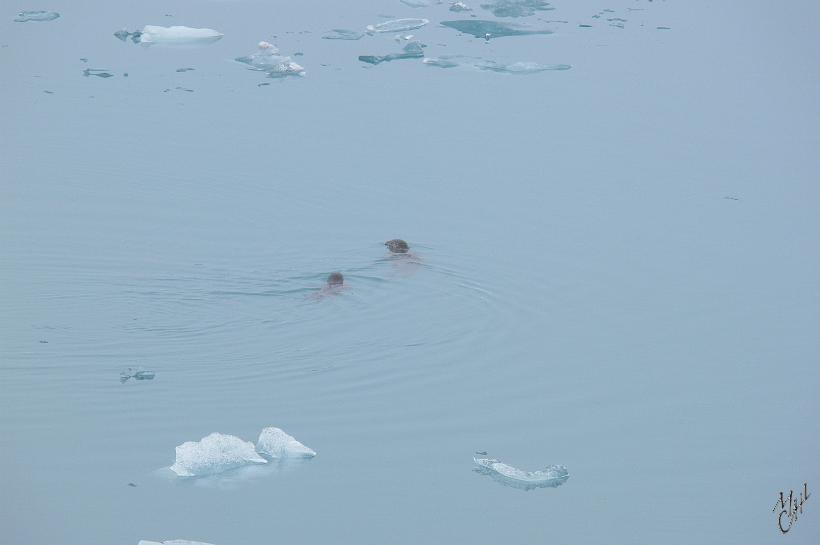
397,246
335,279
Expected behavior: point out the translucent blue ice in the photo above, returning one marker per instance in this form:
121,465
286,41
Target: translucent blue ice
398,25
549,477
516,8
491,29
520,67
413,50
267,59
26,16
342,34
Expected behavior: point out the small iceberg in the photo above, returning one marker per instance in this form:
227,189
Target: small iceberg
516,8
214,453
397,25
549,477
520,67
459,6
492,29
412,50
275,443
267,59
26,16
416,3
172,35
172,542
342,34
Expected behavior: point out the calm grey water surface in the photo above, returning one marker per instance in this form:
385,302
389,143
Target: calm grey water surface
583,292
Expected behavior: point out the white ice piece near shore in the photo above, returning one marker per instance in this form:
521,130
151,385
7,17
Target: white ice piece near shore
215,453
276,443
549,477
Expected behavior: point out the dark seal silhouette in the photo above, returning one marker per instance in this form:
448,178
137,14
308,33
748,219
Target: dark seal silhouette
397,246
335,280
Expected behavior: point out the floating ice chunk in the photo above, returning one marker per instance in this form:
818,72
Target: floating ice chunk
342,34
549,477
492,29
276,443
398,25
460,6
152,34
214,453
99,72
521,67
132,372
172,35
267,59
412,50
516,8
416,3
172,542
26,16
445,61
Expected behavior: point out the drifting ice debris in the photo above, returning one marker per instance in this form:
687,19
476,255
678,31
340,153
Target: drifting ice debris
445,61
397,25
172,542
215,453
99,72
185,69
549,477
516,8
413,50
276,443
172,35
267,59
416,3
492,29
342,34
520,67
26,16
460,6
136,374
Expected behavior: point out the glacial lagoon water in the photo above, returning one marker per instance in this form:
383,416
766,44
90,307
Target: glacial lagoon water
612,269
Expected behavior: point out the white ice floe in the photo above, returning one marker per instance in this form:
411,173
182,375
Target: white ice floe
398,25
459,6
172,542
173,35
276,443
267,59
215,453
549,477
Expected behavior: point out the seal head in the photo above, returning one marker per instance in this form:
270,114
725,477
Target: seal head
335,280
397,246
